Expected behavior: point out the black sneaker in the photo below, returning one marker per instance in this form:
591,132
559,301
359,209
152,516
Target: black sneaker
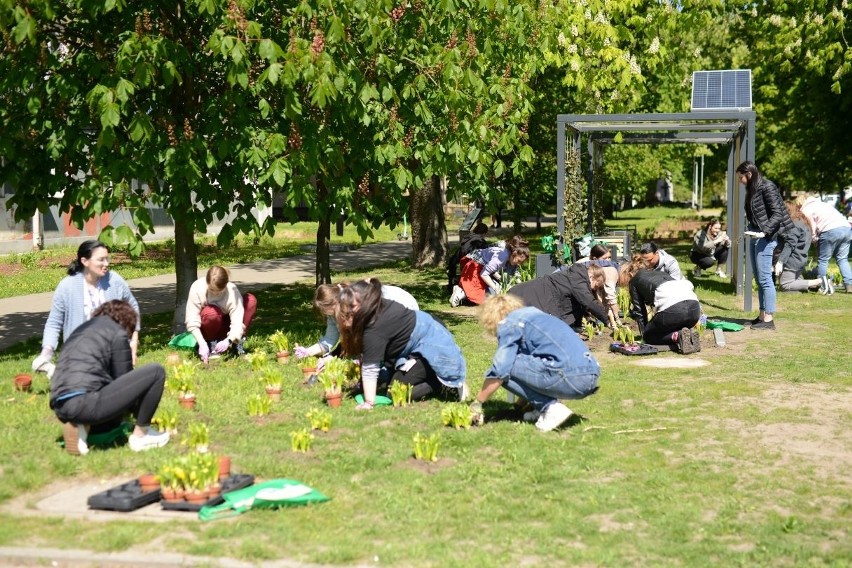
764,325
756,320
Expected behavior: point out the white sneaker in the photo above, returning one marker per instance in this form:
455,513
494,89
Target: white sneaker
75,436
553,416
457,297
721,273
153,439
531,416
696,272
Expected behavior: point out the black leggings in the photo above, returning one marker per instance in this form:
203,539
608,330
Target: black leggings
704,262
138,391
683,314
422,379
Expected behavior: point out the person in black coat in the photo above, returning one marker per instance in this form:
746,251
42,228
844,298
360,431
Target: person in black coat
567,294
767,219
95,382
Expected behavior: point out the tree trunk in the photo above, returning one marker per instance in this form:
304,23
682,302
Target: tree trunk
186,271
428,225
323,260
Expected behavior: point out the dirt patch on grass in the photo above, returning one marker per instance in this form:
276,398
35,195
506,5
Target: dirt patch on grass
427,466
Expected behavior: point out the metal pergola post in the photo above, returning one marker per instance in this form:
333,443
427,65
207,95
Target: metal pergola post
734,127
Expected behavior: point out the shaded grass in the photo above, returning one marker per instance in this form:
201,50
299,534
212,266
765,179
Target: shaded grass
699,467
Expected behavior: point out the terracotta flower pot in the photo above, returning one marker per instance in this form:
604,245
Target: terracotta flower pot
171,494
187,402
283,357
23,382
196,496
214,491
224,467
149,482
308,371
274,393
173,359
333,399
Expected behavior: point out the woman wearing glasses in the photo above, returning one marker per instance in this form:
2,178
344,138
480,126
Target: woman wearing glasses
89,284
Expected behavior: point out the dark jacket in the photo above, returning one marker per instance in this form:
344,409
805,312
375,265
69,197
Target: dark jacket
765,209
94,355
796,244
467,245
566,294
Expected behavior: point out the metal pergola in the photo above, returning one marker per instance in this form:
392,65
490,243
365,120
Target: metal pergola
733,127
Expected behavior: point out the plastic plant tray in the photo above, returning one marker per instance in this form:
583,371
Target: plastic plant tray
231,483
125,498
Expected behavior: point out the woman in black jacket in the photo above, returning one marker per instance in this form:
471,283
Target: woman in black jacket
95,381
567,294
767,218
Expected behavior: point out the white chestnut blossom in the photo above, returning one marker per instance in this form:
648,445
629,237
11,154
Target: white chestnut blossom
561,39
655,45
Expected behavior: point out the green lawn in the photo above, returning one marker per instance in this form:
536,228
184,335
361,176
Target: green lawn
742,462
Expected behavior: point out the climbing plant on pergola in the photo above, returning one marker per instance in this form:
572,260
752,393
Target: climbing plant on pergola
732,127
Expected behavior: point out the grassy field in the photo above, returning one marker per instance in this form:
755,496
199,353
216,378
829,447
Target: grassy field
736,456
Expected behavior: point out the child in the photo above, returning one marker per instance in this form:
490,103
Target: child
538,358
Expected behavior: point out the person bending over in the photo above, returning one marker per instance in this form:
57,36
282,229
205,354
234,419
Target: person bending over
538,358
95,381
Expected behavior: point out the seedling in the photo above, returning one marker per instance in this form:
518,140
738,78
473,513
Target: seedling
320,419
589,328
259,405
301,440
623,300
426,448
258,360
330,382
458,415
199,437
309,362
280,341
400,393
271,377
165,421
623,334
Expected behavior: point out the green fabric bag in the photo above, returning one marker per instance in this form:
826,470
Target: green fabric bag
183,340
724,325
266,495
107,439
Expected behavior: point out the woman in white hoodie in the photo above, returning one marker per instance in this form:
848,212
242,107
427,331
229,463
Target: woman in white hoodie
834,233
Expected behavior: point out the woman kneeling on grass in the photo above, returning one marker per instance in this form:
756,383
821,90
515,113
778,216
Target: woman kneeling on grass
95,382
538,358
421,351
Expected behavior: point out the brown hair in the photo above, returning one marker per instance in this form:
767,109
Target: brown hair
217,278
351,321
519,250
495,308
325,298
598,251
629,270
795,210
121,312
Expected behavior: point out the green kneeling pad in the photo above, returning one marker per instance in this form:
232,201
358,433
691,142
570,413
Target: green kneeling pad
724,325
266,495
108,438
183,340
380,400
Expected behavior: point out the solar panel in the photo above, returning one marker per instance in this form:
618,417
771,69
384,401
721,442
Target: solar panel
721,90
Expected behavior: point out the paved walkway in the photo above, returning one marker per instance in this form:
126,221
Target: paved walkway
23,317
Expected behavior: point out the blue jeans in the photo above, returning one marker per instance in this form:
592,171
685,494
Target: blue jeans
761,262
541,384
835,243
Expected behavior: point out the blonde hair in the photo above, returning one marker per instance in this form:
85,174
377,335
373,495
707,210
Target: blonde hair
217,278
795,211
494,309
326,298
629,270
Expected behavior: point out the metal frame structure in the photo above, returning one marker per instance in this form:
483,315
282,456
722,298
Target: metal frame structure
733,127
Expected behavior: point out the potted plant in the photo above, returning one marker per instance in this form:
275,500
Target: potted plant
148,482
173,359
331,389
272,381
199,437
23,382
224,467
309,367
166,421
171,488
182,381
281,343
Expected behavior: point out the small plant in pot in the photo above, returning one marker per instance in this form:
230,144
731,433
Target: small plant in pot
281,342
171,487
309,367
23,382
224,467
272,381
332,390
149,482
182,381
166,421
199,437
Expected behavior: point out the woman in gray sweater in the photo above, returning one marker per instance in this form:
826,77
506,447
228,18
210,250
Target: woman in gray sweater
794,254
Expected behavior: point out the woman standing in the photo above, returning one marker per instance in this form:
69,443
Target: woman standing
421,351
767,218
95,382
483,267
89,284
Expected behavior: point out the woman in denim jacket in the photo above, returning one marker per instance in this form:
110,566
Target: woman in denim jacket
538,358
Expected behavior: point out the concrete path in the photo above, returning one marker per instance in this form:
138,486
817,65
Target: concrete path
23,317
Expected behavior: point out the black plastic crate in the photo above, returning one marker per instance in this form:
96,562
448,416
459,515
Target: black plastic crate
232,483
125,498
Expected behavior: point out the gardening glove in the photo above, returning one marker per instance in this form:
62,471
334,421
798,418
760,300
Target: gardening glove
222,346
477,416
203,351
44,364
778,268
300,352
